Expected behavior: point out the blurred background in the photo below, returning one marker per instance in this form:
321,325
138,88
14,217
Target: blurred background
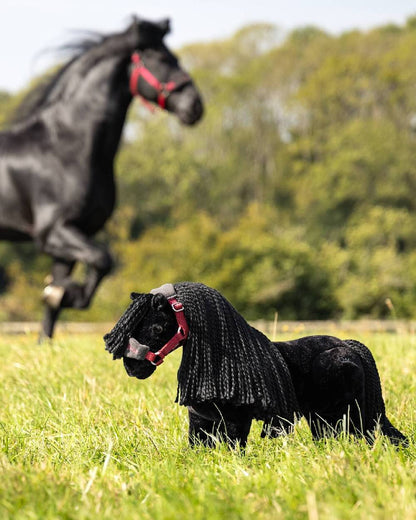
296,192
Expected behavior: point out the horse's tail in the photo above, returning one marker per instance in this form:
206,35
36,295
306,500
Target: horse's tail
375,411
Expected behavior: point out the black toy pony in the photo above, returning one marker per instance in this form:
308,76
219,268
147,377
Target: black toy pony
231,373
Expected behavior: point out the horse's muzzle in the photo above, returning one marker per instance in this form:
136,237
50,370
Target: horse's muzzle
186,104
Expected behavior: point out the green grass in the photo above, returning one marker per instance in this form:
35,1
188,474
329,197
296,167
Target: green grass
81,440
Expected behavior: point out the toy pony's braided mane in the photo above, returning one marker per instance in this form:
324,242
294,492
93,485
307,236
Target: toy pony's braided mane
225,360
116,340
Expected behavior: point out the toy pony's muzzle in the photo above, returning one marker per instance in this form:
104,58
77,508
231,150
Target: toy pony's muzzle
136,350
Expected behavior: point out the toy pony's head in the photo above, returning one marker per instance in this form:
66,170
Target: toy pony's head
146,326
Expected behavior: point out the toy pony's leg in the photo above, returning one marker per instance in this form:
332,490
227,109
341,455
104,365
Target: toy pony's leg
375,408
209,425
235,433
396,437
338,394
279,426
323,426
201,430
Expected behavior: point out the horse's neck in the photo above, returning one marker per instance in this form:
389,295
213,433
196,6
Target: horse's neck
96,95
89,105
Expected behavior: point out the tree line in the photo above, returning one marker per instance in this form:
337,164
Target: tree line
295,194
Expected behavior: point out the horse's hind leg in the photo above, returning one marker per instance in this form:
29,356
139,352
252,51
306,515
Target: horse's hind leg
67,242
53,295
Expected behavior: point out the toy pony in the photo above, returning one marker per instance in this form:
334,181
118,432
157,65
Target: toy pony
231,373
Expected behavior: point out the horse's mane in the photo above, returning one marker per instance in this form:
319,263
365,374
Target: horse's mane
225,360
39,96
36,98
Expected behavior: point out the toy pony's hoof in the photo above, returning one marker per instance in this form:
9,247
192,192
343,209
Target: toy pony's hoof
53,295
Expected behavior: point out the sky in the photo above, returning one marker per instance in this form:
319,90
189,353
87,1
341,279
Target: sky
28,28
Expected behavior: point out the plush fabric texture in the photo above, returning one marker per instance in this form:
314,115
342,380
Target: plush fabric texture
374,403
333,377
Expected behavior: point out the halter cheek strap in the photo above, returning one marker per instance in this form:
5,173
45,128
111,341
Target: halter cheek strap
138,351
163,90
156,358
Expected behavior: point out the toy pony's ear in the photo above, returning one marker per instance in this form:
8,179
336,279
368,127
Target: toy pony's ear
159,302
160,296
135,295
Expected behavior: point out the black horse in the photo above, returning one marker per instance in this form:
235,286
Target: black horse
56,161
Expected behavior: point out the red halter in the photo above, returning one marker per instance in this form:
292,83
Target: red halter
163,89
156,358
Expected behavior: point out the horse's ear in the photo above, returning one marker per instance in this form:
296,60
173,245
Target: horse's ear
164,26
134,24
150,33
159,302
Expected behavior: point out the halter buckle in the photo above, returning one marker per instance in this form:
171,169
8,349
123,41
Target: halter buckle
151,356
177,306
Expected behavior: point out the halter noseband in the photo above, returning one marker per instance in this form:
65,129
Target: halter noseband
163,90
135,349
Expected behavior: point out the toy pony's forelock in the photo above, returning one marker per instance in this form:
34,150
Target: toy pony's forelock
116,340
225,360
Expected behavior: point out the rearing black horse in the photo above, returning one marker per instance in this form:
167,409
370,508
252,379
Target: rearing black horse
56,163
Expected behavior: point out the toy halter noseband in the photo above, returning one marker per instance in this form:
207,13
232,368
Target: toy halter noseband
163,90
141,352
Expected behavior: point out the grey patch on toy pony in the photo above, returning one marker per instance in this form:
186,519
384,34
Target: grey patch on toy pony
136,350
166,289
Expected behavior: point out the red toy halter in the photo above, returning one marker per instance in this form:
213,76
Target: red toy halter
163,89
156,358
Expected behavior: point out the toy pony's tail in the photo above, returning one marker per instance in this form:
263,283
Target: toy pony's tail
375,410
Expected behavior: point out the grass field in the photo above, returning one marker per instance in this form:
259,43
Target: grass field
81,440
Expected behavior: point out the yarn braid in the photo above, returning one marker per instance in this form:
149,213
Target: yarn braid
225,360
116,340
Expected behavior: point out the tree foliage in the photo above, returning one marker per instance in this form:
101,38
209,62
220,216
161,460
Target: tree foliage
294,195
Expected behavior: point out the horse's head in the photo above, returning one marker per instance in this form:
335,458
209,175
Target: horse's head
147,325
157,76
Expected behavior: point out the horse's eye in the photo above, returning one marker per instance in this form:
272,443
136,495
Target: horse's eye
157,329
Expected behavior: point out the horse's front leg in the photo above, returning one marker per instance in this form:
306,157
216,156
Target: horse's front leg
70,245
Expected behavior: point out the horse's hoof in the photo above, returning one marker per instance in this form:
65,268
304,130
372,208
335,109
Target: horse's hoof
52,295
